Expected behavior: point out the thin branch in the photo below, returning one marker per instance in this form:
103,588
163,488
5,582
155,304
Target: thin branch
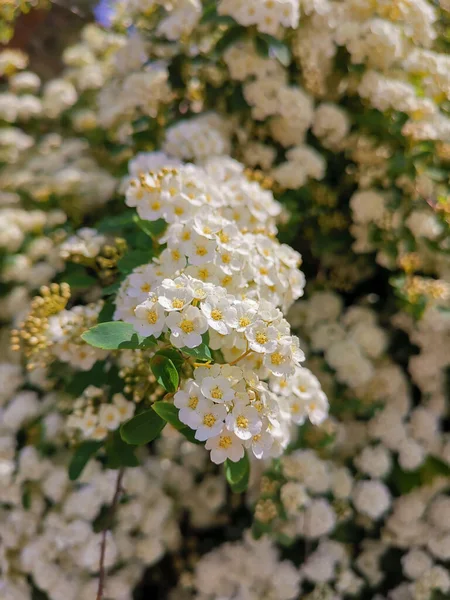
112,510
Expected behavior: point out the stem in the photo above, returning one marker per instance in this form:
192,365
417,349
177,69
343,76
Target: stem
112,510
246,353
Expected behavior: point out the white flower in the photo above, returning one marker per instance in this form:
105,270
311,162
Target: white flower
261,444
212,420
150,317
371,498
109,416
187,400
200,250
218,389
221,315
244,421
187,327
125,408
262,337
225,446
174,294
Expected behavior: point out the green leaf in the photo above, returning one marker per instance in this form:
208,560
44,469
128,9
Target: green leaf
169,413
238,473
80,458
230,37
107,312
152,228
133,259
148,342
78,278
112,335
115,223
174,356
165,372
202,352
277,49
142,428
111,289
120,454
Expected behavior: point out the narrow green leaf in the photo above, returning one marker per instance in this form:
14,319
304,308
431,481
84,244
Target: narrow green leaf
165,372
107,312
119,453
79,279
80,458
112,335
174,356
169,413
143,428
238,473
202,352
277,49
230,37
111,289
133,259
115,223
152,228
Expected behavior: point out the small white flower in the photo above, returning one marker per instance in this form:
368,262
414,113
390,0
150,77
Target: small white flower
150,318
109,416
221,315
246,312
200,250
226,445
212,420
244,421
188,400
261,444
174,294
218,389
187,327
125,408
280,362
262,337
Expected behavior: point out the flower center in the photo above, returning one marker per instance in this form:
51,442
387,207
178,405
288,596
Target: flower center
244,322
152,317
187,326
276,358
261,338
176,255
145,287
201,251
216,314
242,422
193,401
223,237
177,303
302,388
217,393
209,419
225,441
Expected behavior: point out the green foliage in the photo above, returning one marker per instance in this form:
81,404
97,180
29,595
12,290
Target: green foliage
270,46
115,335
85,451
165,372
119,453
238,474
142,428
133,259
